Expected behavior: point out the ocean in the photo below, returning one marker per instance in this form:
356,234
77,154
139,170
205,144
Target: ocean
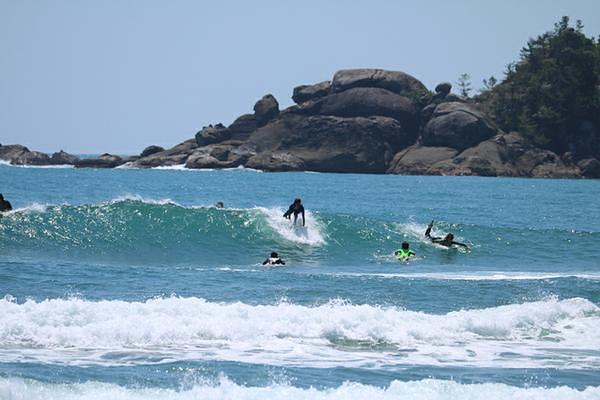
129,284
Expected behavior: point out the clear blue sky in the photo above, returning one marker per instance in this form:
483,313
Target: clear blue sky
96,76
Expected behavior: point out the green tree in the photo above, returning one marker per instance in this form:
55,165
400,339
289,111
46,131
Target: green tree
552,94
489,84
464,85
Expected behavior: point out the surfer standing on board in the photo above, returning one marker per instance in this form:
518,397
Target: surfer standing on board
296,208
447,241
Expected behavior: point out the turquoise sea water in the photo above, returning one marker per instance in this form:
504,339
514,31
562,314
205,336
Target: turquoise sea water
128,284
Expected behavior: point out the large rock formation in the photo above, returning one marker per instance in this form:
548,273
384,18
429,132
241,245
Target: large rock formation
103,161
363,120
63,158
311,92
366,102
327,143
266,109
177,155
21,155
394,81
457,125
421,160
148,151
503,155
212,134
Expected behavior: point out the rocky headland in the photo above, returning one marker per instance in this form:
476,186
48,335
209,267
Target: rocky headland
362,121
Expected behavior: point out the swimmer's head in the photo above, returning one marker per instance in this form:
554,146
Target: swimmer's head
405,245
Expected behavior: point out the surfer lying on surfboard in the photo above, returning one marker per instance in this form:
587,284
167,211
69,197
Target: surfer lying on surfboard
405,252
447,240
296,208
273,260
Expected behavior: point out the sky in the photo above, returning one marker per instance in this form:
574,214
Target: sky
117,76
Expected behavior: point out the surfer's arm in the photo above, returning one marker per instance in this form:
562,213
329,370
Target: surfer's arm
288,213
460,244
303,218
280,261
265,262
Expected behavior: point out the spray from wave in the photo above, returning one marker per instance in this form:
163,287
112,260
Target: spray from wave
21,389
287,334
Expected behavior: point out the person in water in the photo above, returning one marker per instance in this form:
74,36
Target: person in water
447,240
4,204
296,208
274,260
405,252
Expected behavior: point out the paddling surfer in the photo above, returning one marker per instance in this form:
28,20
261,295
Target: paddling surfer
447,240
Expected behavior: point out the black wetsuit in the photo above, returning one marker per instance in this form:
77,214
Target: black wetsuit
295,210
443,241
273,261
5,206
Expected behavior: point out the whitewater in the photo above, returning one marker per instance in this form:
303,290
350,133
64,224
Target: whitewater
131,284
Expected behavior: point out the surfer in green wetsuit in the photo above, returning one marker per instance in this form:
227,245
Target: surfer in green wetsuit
447,240
405,252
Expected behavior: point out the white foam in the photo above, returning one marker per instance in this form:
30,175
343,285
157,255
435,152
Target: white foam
135,197
181,167
8,164
310,234
242,168
431,389
127,165
35,207
549,333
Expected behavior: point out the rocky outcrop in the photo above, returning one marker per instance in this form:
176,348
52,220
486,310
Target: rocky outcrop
422,160
148,151
394,81
366,102
327,143
266,109
305,93
103,161
63,158
212,134
242,127
218,156
502,155
442,90
590,168
21,155
363,120
457,125
177,155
